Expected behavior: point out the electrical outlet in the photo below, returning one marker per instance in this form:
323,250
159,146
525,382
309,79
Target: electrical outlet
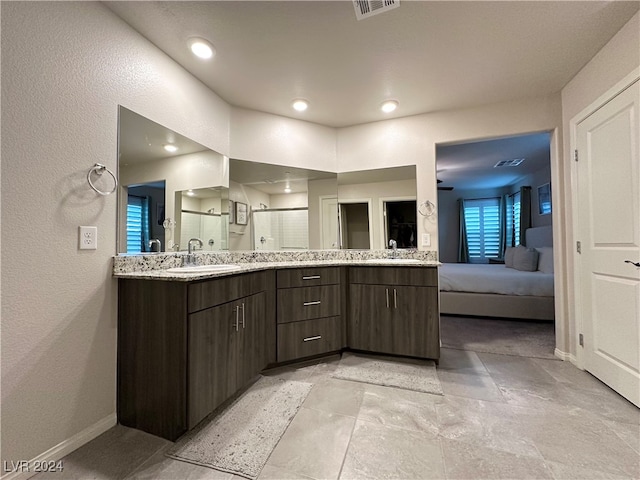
88,238
426,239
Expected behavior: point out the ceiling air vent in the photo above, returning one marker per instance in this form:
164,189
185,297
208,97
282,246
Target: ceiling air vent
367,8
509,163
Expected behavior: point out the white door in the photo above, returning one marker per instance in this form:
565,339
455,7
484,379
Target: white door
329,216
608,176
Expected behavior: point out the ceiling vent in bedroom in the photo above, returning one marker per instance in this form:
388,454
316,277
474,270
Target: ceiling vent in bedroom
509,163
368,8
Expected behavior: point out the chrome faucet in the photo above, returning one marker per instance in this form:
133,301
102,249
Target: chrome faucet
190,258
155,241
393,245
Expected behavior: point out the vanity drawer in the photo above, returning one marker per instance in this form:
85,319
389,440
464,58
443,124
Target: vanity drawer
209,293
311,337
418,276
308,277
305,303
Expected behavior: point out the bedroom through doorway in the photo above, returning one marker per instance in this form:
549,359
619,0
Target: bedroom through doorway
496,244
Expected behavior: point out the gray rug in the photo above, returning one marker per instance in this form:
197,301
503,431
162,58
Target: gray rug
418,375
240,437
507,337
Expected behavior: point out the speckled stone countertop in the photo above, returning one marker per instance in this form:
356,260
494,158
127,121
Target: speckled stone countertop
155,266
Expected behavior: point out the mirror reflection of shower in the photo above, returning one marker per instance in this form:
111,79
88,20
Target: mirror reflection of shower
280,229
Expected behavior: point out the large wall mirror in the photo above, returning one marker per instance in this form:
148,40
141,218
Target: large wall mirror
274,207
171,189
376,206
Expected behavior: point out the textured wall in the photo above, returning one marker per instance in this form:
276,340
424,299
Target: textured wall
65,68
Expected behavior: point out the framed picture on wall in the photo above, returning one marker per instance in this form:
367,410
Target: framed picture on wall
544,199
241,213
232,212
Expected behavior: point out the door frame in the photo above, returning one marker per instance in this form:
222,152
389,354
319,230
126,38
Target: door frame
369,203
383,212
603,99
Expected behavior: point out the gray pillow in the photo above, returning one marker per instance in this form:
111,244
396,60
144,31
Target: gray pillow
508,256
525,259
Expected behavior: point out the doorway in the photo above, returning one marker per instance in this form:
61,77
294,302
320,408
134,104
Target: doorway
355,225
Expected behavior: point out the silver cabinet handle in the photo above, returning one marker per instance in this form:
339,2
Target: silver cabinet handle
637,264
311,277
395,298
310,339
315,302
242,314
386,290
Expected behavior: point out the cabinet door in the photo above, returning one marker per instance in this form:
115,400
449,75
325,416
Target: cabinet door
415,320
370,318
252,335
212,360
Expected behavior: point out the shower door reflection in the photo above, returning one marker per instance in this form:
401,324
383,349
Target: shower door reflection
281,229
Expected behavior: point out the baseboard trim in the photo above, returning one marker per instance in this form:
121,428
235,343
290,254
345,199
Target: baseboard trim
565,356
64,448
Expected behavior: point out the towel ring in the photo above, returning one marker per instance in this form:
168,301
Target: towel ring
427,208
100,169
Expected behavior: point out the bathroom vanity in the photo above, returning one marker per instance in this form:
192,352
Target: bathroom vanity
187,343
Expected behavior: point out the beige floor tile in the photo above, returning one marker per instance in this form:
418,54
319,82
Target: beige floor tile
335,396
490,424
378,451
573,472
516,368
470,385
628,432
466,460
580,441
269,472
161,467
400,408
461,360
314,444
113,455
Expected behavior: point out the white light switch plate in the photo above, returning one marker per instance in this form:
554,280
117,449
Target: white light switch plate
426,239
88,238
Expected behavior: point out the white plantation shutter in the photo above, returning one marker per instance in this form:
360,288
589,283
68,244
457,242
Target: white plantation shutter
516,218
482,222
134,224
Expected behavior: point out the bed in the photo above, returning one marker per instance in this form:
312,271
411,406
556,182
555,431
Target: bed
493,290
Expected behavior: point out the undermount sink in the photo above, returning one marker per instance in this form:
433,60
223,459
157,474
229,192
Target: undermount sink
394,261
205,268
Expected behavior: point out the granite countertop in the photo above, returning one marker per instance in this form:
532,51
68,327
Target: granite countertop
154,267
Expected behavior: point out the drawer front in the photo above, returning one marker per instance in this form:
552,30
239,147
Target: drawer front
308,277
418,276
209,293
305,303
311,337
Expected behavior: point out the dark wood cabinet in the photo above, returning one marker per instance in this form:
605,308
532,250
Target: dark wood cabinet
226,350
394,310
185,347
310,312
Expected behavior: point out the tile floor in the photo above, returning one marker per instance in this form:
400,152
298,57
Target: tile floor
501,416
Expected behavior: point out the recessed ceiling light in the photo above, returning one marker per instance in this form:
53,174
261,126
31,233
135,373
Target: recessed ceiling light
201,48
170,148
300,105
191,193
287,189
389,106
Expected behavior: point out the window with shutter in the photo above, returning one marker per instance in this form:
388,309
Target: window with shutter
482,223
135,222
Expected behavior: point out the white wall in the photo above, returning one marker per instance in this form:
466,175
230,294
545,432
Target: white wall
266,138
615,61
66,66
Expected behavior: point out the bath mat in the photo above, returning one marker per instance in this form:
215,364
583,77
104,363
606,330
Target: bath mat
418,375
239,437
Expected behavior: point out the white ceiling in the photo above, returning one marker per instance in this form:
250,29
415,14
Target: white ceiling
427,55
471,165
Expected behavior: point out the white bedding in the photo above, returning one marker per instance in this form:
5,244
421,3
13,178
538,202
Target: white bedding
483,278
